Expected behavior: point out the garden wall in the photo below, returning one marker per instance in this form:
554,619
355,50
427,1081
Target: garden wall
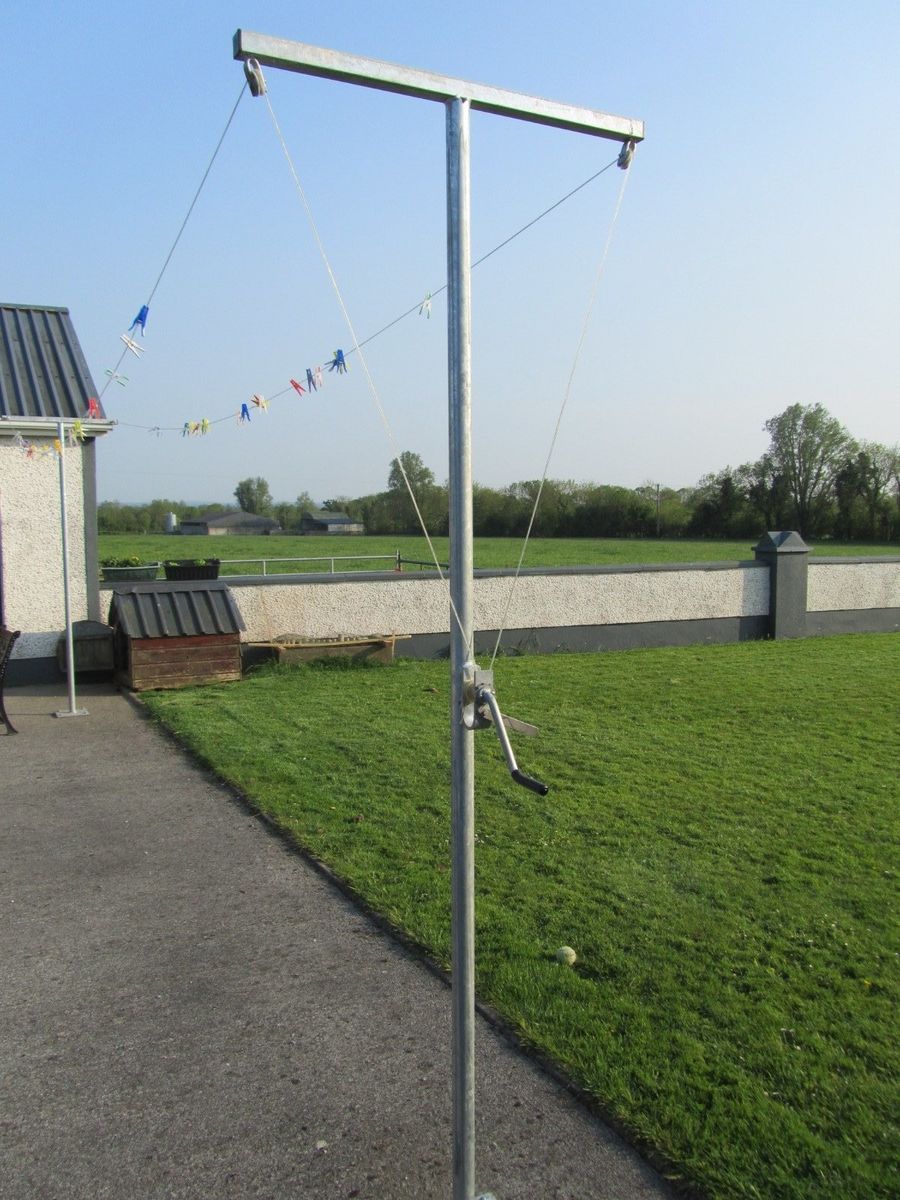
777,594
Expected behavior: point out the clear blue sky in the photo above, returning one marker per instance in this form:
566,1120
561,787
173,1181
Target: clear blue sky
755,261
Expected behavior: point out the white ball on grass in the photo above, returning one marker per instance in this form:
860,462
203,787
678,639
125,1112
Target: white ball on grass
566,955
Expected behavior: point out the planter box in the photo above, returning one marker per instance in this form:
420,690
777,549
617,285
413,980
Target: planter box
129,574
186,568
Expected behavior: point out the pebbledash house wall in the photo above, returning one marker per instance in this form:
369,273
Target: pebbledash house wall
31,569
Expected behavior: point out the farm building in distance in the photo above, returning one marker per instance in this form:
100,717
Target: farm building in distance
321,521
230,522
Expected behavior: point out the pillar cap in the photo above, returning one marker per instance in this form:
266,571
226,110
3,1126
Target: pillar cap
781,542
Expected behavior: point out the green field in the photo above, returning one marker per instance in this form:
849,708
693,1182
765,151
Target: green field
489,552
719,846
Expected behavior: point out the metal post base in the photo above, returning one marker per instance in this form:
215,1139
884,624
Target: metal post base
72,712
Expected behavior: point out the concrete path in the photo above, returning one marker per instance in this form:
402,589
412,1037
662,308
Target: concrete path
188,1009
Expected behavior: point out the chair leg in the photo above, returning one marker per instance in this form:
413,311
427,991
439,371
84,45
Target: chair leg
5,719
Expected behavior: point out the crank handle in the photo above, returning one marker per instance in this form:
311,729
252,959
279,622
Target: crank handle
533,785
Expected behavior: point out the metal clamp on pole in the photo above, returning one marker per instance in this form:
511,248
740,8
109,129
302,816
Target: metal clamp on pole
255,78
481,709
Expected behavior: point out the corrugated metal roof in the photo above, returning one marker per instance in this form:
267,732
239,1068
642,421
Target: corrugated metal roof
178,610
43,371
324,517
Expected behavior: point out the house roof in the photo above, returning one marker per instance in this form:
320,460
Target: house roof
43,371
329,518
179,610
229,519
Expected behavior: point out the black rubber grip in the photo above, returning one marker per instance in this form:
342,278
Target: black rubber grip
528,781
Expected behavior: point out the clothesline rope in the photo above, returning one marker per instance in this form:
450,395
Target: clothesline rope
409,312
115,371
562,408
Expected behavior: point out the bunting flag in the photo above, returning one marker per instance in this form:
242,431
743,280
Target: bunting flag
32,451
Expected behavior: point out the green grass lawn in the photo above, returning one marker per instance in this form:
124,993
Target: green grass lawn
489,552
719,846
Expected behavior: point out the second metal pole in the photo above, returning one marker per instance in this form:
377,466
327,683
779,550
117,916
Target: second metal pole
461,622
72,711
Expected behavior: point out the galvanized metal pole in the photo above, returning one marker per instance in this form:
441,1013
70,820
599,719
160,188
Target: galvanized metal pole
458,96
64,523
459,320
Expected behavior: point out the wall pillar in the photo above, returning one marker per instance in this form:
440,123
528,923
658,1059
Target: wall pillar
787,557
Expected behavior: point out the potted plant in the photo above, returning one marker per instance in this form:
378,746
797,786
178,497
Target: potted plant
123,570
192,568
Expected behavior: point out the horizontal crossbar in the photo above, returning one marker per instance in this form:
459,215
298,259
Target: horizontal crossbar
388,77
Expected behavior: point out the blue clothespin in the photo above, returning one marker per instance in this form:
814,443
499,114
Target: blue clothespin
310,381
140,319
338,364
245,414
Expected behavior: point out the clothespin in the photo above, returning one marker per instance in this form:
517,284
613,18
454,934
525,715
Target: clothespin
337,363
93,409
115,377
298,387
310,380
244,414
319,377
259,402
132,345
204,426
57,446
186,429
140,319
425,307
76,433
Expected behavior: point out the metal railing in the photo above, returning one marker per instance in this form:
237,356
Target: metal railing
397,561
331,559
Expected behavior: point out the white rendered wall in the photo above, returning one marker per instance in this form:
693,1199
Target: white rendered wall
31,547
421,606
836,586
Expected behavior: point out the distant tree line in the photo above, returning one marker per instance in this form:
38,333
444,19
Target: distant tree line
814,477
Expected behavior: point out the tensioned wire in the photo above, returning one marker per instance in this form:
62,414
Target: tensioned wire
181,230
562,408
365,366
415,308
357,346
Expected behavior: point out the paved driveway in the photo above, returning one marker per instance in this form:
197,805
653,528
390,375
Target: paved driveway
189,1009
